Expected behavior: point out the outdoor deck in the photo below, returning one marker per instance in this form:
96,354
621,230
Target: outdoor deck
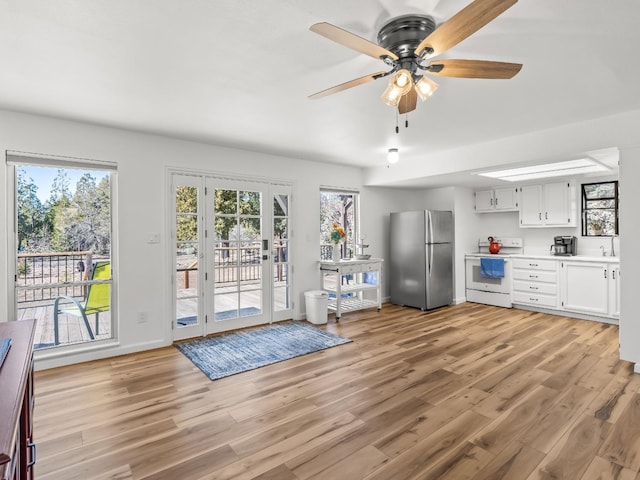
44,277
71,329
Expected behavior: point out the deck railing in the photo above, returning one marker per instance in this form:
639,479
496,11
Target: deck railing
226,263
43,276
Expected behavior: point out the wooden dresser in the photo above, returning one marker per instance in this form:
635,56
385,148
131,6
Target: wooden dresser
17,451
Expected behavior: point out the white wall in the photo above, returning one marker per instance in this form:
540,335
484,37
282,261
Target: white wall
559,143
630,254
377,203
457,200
467,227
143,161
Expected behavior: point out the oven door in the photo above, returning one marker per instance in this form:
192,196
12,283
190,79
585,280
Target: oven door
475,281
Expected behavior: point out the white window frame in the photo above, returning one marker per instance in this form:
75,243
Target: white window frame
15,158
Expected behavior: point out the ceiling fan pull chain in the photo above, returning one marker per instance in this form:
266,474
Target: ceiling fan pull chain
397,127
406,121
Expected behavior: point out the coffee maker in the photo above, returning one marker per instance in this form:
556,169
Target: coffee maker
564,245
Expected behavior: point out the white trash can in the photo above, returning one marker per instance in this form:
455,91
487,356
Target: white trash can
317,305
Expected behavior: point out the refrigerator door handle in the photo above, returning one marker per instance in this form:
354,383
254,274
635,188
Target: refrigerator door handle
430,227
430,246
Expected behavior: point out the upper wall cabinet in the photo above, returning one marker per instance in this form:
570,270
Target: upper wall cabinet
497,200
548,205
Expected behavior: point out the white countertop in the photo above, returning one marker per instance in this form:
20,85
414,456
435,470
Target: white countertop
560,258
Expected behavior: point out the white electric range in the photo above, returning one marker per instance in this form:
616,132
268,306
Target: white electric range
492,291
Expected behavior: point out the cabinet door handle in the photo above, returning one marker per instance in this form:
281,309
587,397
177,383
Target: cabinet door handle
491,202
546,216
532,287
605,273
613,274
533,299
533,276
539,215
32,447
496,202
533,264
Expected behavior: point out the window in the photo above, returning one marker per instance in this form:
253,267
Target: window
63,248
339,207
600,209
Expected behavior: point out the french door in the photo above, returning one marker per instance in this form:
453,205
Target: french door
231,254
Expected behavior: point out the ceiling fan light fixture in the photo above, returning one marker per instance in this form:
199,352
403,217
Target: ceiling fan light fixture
399,84
393,155
425,88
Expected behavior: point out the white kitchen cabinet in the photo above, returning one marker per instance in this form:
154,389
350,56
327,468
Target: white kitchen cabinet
535,282
585,287
497,200
614,291
548,205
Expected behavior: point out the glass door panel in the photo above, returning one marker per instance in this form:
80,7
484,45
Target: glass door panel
237,220
282,306
187,281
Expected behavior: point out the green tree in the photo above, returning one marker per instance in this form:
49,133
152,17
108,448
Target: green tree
57,209
31,216
86,220
337,208
186,214
231,203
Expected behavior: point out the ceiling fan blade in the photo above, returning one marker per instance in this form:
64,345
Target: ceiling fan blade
408,102
351,40
474,69
346,85
464,23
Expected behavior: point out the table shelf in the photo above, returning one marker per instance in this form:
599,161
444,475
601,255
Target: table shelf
346,280
351,304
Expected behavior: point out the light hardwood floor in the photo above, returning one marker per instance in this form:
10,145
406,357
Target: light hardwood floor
463,392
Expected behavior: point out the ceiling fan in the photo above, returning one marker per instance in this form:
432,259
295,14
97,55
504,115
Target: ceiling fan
405,43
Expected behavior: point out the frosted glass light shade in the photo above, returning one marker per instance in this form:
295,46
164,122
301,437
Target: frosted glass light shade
393,155
399,84
425,88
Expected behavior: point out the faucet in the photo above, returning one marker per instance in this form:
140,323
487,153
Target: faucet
613,251
603,252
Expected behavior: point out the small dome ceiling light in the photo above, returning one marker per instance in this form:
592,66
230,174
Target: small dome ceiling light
393,155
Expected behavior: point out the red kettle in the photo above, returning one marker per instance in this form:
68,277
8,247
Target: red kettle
494,246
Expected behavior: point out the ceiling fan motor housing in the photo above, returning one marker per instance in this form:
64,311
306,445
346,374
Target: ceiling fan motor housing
401,35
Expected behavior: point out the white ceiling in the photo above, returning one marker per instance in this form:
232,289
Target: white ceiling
238,72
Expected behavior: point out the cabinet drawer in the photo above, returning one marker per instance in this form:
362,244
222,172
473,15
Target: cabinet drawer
534,287
541,300
371,267
535,275
535,264
347,269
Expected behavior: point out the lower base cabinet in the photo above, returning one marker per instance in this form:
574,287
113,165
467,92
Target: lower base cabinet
586,287
614,291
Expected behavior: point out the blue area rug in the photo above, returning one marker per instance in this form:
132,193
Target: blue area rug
230,353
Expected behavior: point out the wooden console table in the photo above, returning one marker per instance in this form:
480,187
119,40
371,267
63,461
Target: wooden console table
346,279
17,450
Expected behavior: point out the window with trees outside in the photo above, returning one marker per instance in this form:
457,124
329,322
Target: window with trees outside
600,209
338,207
63,249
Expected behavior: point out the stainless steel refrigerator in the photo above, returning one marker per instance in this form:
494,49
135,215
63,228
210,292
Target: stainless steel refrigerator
421,258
